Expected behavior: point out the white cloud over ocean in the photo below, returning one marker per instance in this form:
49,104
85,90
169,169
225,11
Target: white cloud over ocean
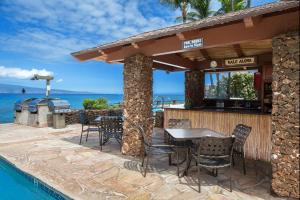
14,72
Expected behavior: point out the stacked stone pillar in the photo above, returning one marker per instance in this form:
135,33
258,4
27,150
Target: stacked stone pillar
138,80
285,115
194,88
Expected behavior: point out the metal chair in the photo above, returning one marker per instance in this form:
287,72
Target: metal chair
150,149
213,153
111,127
85,121
241,133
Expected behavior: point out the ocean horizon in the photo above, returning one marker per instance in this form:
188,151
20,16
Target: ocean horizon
7,101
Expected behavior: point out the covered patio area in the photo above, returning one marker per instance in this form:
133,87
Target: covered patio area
263,39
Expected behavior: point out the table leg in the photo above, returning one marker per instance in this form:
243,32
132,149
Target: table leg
188,162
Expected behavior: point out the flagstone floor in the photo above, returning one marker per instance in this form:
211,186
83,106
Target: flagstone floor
84,172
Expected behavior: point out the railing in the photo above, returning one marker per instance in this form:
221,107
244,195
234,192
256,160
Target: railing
161,102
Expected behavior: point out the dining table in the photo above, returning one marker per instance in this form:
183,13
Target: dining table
187,135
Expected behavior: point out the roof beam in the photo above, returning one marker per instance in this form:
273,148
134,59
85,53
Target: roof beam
250,22
135,45
165,66
180,36
176,60
237,48
205,54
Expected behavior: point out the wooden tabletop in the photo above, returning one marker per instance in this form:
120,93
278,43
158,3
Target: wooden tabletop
192,133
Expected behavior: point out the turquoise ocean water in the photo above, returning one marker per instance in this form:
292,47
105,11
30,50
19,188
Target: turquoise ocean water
7,101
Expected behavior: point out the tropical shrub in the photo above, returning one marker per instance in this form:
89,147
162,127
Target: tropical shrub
98,104
88,103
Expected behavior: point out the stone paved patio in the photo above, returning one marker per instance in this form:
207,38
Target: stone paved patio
83,172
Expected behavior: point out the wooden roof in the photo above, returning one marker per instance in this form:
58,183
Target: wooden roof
229,35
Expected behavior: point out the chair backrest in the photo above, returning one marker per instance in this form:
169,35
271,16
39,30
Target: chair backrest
179,123
241,133
83,118
141,131
112,124
214,147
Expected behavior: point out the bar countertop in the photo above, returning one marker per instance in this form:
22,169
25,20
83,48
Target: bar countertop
225,110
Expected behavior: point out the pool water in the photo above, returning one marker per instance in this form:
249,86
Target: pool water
16,185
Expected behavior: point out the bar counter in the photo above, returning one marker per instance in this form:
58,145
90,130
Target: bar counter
258,144
226,110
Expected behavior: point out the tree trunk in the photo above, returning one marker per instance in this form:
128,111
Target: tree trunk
218,84
184,11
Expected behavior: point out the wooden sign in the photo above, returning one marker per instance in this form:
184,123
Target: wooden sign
240,61
190,44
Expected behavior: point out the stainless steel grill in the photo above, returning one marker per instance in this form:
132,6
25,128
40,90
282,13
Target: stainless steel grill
42,112
59,106
33,105
20,104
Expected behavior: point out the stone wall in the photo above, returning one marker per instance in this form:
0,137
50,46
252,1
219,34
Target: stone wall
73,117
194,88
285,115
138,78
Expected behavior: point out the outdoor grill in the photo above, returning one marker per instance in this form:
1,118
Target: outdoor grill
59,107
21,111
41,112
33,105
22,103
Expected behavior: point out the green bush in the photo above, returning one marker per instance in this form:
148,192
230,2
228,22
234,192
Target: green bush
88,103
98,104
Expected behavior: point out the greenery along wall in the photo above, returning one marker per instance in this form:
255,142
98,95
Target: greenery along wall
230,85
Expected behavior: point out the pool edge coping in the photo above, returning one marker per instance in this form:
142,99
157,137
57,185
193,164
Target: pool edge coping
41,182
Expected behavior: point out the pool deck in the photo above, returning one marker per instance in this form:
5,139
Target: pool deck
84,172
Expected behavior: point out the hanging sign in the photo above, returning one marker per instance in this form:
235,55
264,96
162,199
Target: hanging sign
240,61
190,44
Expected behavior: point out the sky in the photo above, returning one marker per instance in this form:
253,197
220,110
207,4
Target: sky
38,36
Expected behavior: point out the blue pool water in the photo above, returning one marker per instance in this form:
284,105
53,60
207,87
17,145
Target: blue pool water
17,185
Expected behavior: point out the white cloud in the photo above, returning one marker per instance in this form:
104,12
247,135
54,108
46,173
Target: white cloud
53,29
22,73
59,80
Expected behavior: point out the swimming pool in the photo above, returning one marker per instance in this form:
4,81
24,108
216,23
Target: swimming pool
15,185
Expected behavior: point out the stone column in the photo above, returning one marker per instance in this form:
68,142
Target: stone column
194,88
285,115
138,80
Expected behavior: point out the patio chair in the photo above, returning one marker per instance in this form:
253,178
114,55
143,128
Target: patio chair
91,126
150,149
111,127
213,153
241,133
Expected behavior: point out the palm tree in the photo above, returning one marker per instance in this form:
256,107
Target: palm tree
181,4
201,10
232,5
